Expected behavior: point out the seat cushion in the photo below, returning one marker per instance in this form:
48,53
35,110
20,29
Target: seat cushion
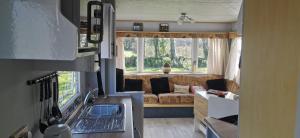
176,98
133,85
150,99
160,85
187,98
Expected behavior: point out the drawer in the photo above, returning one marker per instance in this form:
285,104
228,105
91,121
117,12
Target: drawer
200,116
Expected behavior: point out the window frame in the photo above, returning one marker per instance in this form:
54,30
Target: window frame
70,102
140,58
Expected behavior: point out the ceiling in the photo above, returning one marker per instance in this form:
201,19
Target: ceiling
169,10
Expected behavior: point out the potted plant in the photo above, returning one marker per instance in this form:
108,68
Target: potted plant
167,67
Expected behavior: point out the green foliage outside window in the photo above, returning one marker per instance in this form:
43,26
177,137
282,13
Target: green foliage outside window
157,51
68,86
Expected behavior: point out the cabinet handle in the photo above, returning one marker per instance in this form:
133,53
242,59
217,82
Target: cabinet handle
97,28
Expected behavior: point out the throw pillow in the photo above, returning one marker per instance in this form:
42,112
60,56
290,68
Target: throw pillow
217,84
133,85
160,85
181,88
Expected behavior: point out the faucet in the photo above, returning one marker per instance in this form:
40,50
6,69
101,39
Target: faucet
91,96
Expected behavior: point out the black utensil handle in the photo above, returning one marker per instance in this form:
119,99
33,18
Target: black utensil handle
49,88
45,90
54,86
41,91
57,88
99,13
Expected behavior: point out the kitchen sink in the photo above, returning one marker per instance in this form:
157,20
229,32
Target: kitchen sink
101,118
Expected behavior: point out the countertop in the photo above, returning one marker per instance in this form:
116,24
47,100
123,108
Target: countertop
128,120
223,129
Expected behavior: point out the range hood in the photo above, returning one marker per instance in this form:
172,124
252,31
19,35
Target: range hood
37,30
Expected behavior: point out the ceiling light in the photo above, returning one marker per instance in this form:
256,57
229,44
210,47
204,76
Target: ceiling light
183,18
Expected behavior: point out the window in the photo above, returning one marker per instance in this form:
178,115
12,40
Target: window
83,41
130,53
156,53
202,53
69,87
181,55
150,54
175,51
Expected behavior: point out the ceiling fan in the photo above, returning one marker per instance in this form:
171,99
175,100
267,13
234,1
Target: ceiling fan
184,18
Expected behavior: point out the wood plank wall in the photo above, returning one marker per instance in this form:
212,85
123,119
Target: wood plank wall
270,69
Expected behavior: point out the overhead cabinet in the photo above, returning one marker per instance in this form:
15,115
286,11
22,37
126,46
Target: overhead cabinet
38,30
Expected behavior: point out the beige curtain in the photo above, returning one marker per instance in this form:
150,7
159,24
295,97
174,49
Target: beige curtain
120,63
232,70
217,56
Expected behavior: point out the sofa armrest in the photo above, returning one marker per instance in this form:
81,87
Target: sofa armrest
220,107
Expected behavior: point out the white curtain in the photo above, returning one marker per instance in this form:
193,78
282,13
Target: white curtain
217,56
232,70
120,63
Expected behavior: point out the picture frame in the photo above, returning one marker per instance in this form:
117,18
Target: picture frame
164,27
137,27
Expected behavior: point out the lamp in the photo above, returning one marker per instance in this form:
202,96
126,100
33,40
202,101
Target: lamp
183,18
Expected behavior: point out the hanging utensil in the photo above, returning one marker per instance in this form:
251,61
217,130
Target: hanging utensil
55,109
42,125
51,120
55,116
47,95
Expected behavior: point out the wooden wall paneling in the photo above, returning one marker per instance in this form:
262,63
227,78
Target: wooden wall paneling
270,69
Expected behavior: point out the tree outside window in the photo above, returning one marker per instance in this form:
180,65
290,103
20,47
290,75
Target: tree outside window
156,53
130,53
153,53
202,54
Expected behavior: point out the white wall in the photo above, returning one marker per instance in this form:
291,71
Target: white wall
174,27
238,26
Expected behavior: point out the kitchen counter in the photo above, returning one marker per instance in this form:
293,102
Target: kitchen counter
221,129
126,100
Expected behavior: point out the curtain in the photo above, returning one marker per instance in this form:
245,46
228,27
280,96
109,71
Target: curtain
232,70
217,56
120,54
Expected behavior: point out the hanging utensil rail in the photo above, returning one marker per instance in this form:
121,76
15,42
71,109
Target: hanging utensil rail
38,80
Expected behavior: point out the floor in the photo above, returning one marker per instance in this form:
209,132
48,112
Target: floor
170,128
